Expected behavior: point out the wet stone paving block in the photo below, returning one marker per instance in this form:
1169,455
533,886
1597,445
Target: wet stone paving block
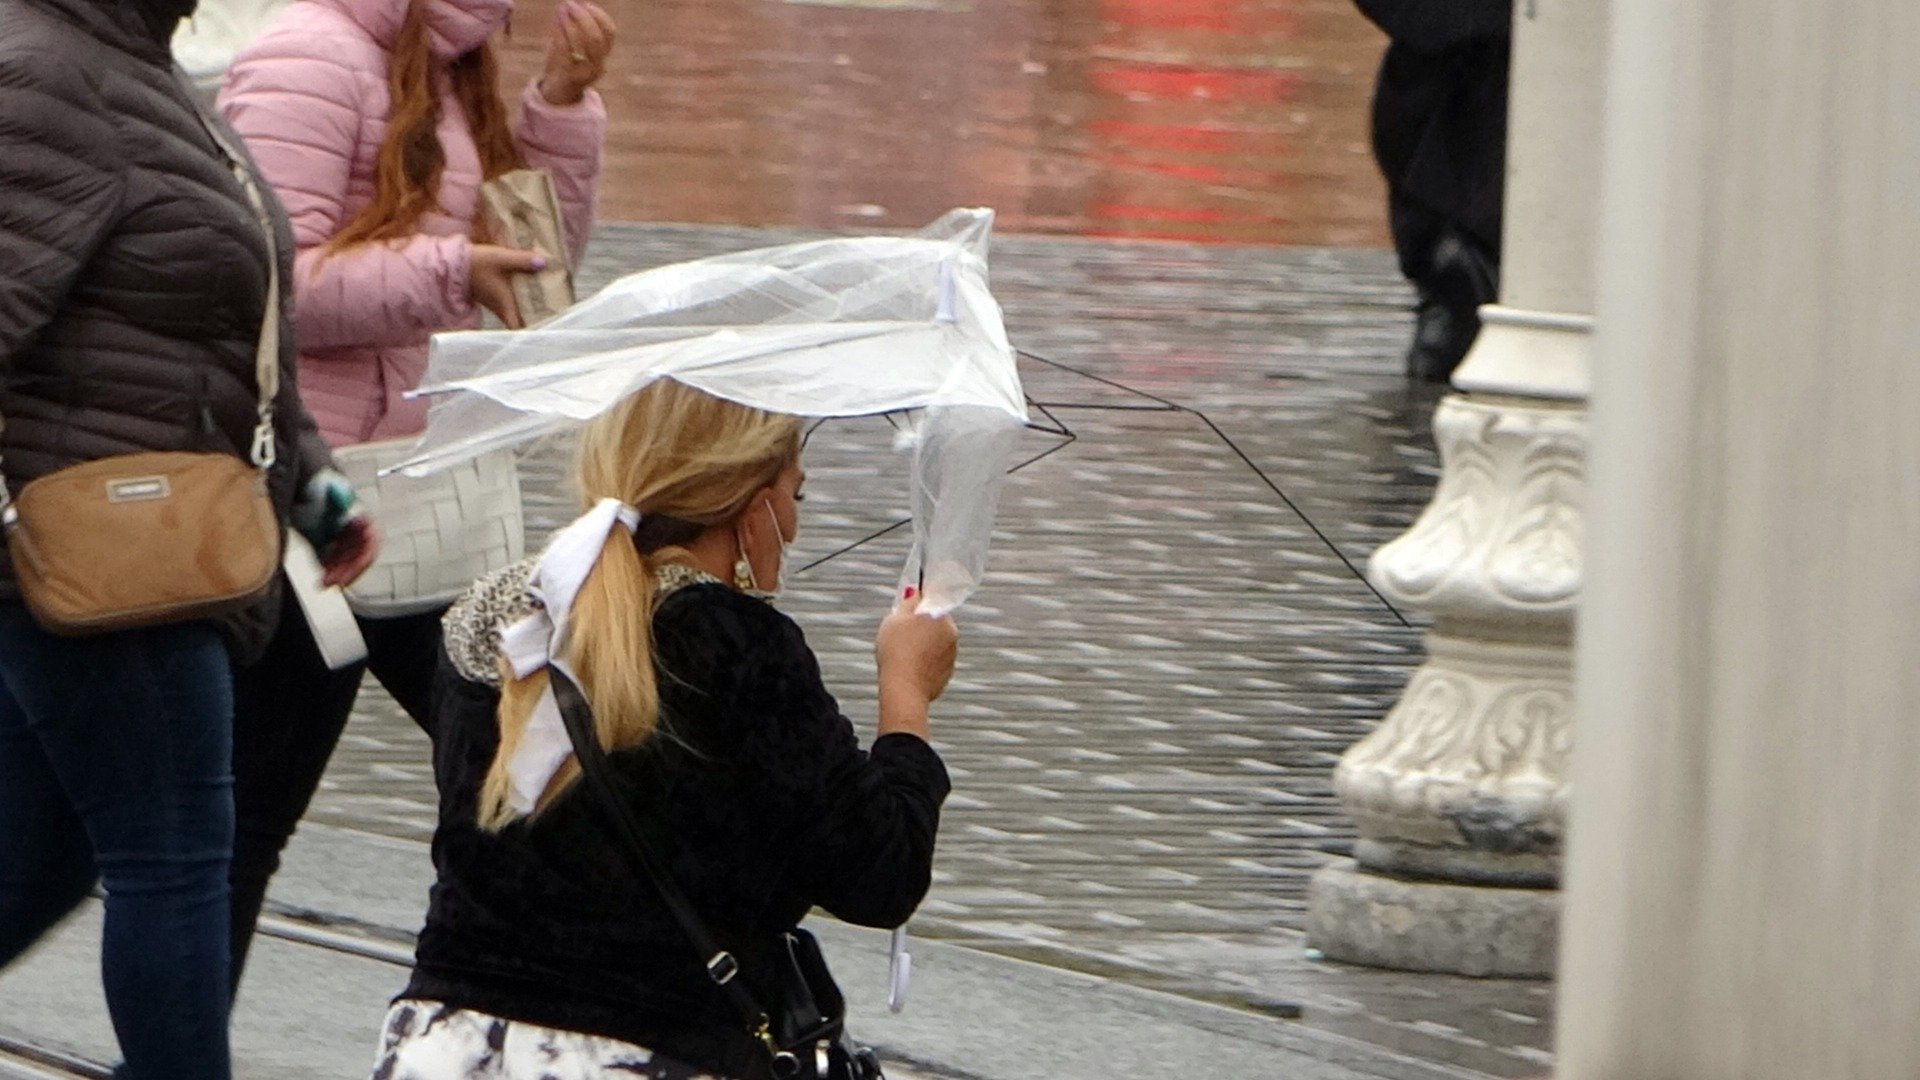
1166,659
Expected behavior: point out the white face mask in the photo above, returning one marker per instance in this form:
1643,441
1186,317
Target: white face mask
780,567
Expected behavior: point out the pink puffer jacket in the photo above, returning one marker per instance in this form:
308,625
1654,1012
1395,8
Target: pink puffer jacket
310,97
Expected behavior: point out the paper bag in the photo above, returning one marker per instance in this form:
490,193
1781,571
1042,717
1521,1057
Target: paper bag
520,209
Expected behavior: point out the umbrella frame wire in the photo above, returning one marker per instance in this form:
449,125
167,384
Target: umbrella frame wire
1155,404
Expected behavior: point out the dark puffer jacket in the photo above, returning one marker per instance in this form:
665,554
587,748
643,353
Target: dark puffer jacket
133,271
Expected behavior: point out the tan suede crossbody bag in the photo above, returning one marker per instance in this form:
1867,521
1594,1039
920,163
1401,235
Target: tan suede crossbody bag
154,538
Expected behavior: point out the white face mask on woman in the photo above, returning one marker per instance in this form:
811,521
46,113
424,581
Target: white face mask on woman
747,581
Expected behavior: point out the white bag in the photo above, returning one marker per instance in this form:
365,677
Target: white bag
437,533
329,616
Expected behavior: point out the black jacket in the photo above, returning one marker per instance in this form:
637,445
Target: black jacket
756,796
132,268
1440,107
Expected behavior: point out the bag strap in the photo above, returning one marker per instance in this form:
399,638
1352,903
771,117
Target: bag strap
266,360
597,773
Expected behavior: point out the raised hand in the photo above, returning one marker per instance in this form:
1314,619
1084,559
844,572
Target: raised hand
577,50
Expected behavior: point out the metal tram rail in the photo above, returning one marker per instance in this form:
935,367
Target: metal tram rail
27,1056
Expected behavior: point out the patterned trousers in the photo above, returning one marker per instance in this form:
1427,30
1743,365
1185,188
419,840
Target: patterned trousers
428,1040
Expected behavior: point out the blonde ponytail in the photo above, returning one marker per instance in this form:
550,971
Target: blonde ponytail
670,450
604,640
517,700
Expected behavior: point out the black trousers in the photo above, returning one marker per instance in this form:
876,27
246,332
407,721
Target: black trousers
289,711
1420,235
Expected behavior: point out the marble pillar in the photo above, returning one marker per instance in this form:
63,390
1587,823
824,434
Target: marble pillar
1460,794
1743,884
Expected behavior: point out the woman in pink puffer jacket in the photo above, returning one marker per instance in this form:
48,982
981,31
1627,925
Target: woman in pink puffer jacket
377,122
313,98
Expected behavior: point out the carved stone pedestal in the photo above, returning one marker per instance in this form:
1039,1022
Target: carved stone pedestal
1460,793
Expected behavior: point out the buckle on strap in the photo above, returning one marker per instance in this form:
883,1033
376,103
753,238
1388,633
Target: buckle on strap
264,453
722,968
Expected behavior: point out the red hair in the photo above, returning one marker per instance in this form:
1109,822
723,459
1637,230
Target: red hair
411,161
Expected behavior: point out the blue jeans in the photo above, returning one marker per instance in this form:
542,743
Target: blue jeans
116,762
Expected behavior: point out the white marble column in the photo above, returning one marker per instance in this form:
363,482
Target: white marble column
1744,881
1460,793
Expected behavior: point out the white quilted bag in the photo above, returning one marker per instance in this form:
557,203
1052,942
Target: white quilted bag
437,533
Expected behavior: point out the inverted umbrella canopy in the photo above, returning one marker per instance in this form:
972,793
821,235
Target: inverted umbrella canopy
833,328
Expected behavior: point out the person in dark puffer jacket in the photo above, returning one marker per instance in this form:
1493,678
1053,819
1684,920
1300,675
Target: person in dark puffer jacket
133,283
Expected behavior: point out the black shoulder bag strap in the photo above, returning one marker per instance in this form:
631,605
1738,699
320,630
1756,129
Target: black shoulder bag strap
597,771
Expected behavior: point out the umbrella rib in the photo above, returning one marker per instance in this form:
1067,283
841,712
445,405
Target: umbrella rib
856,545
1068,438
1058,428
1090,406
904,522
1174,406
1045,454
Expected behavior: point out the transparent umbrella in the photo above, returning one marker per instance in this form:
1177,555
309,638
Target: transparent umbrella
846,327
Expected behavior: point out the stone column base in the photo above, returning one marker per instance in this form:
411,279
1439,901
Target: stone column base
1363,918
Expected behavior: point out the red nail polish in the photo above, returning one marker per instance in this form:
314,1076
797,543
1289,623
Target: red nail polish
909,593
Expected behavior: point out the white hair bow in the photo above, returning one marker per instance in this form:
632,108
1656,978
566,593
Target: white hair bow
540,640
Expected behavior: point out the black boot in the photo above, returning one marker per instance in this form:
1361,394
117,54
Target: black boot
1441,337
1462,277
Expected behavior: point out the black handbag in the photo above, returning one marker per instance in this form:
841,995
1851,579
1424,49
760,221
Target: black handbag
805,1035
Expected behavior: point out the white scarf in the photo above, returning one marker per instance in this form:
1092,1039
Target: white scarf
540,640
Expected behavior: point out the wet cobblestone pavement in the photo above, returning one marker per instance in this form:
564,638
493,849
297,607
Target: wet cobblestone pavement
1166,661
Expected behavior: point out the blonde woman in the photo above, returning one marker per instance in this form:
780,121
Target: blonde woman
546,952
